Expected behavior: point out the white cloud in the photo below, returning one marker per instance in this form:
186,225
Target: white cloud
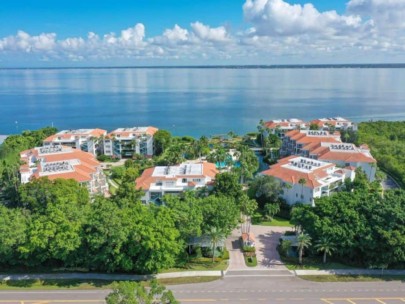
275,31
277,17
206,33
27,43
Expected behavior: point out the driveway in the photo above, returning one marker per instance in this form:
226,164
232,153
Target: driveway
267,239
236,260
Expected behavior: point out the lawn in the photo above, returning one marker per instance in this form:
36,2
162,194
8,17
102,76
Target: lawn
251,261
312,264
351,278
89,284
55,284
277,221
187,280
200,264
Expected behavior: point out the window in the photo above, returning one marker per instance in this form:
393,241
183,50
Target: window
184,180
197,180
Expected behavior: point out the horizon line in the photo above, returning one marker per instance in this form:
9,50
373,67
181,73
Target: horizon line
230,66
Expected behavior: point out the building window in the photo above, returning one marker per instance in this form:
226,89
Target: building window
197,180
184,180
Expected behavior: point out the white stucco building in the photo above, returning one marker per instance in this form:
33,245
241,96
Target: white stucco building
281,126
339,123
161,180
304,179
297,141
346,155
88,140
124,142
56,161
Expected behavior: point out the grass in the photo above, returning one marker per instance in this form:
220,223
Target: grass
54,284
189,280
352,278
200,264
312,264
276,221
89,284
251,261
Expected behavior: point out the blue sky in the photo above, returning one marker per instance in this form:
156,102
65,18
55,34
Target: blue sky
137,32
78,17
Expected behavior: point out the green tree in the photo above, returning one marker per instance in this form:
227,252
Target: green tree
222,212
304,241
162,139
54,234
219,156
227,184
135,293
216,235
175,154
39,193
302,182
247,208
248,163
13,234
187,214
314,126
265,189
271,209
326,246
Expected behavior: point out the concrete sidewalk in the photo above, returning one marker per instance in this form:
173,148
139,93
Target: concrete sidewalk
350,272
110,277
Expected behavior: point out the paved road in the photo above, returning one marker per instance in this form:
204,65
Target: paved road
289,290
247,289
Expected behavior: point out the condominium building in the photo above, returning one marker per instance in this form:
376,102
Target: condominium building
345,155
88,140
125,142
158,181
297,142
57,161
339,123
281,126
304,179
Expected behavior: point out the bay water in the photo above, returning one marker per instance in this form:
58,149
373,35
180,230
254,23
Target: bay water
195,101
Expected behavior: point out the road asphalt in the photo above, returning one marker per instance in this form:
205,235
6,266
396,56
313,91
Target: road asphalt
247,289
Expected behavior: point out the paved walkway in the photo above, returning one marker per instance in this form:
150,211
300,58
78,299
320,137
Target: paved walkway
268,259
236,259
107,276
267,239
350,272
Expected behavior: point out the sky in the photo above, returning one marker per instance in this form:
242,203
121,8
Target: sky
49,33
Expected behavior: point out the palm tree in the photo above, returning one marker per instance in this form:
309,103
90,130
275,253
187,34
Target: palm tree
304,241
215,235
326,246
261,128
302,182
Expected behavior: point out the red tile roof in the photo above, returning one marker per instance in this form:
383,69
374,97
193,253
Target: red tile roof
293,176
146,179
82,171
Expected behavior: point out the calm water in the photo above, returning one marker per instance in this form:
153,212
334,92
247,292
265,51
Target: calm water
194,101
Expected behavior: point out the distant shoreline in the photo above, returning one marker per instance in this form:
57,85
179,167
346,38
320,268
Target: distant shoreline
277,66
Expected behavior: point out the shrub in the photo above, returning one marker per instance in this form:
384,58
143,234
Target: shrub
225,254
283,248
248,249
256,218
